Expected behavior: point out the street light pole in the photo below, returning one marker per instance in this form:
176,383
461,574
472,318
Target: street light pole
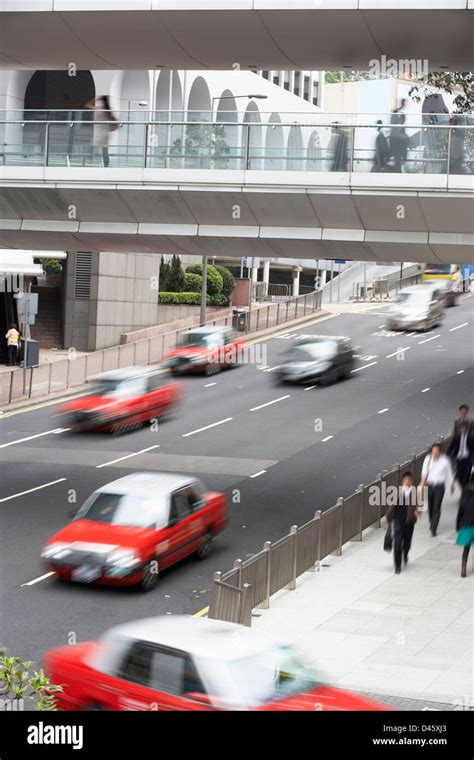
202,318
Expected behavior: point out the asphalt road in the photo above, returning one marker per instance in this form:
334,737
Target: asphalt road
278,462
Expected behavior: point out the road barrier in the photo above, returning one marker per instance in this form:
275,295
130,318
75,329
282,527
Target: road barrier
251,582
74,370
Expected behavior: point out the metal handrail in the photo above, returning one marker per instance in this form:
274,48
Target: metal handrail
326,533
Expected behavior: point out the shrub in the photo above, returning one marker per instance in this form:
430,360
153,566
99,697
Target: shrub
192,282
175,280
218,300
51,266
228,282
18,682
192,299
214,278
164,274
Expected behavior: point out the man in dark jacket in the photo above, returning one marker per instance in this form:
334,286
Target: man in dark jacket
403,515
461,451
463,417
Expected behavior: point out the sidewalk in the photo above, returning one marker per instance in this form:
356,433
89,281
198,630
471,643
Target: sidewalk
407,636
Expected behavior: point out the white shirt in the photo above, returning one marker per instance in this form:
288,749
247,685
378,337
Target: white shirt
438,470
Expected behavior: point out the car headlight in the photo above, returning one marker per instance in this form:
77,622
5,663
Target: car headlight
123,558
57,550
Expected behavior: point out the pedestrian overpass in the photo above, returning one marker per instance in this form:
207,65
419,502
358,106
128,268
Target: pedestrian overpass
221,34
300,188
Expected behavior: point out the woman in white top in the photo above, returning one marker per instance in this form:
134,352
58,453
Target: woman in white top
437,474
104,123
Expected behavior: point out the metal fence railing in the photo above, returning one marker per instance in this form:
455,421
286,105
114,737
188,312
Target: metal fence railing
74,370
378,290
279,564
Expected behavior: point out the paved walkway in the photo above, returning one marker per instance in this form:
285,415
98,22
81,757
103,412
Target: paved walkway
407,636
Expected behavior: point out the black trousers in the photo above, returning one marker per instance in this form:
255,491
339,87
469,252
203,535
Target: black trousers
402,536
12,355
435,497
463,471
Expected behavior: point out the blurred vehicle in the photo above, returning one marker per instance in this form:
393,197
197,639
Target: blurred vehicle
324,359
439,272
449,289
185,663
206,349
123,399
419,307
129,530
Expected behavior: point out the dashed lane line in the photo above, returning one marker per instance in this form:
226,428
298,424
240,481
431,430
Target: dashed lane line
458,327
56,431
37,580
399,351
358,369
275,401
257,474
207,427
30,490
328,438
127,456
427,340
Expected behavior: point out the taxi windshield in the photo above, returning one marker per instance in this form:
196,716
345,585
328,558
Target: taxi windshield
126,509
273,674
128,388
421,297
201,339
310,352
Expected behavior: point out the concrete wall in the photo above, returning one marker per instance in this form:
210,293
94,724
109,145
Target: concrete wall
124,297
175,321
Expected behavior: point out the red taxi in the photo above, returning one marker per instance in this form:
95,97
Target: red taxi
129,530
206,349
185,663
122,400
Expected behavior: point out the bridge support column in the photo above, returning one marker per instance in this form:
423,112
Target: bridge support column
296,281
266,275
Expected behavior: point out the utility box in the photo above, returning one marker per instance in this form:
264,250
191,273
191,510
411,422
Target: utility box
239,320
32,353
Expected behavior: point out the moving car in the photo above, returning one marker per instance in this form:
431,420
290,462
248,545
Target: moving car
324,359
185,663
449,289
123,399
419,307
206,349
129,530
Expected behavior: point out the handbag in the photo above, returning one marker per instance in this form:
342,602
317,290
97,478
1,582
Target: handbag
388,540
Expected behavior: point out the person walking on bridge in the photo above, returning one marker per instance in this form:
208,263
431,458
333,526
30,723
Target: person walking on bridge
463,417
403,515
437,474
461,451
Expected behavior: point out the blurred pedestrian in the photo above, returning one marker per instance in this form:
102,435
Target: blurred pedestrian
13,340
104,123
338,148
456,153
461,451
403,515
437,474
463,417
398,138
465,524
382,153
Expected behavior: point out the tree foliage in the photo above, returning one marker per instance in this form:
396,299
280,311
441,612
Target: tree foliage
460,84
19,682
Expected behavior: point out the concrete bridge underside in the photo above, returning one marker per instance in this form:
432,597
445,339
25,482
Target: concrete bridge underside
297,216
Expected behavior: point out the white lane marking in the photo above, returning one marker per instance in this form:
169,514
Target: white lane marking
381,326
199,430
425,390
328,438
272,369
257,474
265,366
428,339
208,385
310,387
409,335
399,351
30,490
31,437
459,326
275,401
364,367
461,372
382,411
37,580
127,456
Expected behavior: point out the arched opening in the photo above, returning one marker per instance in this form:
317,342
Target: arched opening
295,151
165,138
274,144
63,97
134,105
252,137
199,140
314,153
227,133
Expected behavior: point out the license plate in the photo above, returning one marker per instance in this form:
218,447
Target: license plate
85,574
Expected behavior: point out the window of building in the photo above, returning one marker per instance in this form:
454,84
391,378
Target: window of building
276,78
265,74
306,88
315,93
286,80
296,89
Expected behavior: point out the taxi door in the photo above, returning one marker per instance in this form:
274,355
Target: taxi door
183,533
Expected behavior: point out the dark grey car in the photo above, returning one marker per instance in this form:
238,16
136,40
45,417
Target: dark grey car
322,359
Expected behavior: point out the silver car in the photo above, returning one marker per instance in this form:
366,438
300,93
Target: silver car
419,307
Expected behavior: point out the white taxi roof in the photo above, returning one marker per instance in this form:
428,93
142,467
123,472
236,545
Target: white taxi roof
147,483
124,373
201,637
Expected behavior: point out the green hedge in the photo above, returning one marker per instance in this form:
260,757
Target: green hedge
228,282
191,299
192,282
214,279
